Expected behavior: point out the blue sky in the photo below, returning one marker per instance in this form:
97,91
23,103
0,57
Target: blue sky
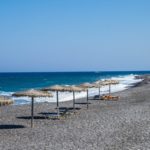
74,35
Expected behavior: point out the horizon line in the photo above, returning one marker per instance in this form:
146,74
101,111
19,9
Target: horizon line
75,71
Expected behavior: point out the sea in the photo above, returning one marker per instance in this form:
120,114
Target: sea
12,82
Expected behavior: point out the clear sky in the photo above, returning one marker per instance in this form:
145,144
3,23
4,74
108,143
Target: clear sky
74,35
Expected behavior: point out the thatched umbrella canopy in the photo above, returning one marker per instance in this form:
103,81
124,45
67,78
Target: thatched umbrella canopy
54,88
114,82
100,82
107,82
86,86
4,100
58,89
33,94
73,89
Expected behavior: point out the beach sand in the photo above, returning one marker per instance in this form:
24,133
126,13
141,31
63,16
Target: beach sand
106,125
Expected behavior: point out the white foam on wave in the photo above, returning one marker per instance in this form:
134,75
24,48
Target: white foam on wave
124,83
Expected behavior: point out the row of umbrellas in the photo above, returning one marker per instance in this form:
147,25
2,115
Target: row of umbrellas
57,88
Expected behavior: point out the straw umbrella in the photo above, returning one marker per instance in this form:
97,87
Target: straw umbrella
86,86
99,84
33,94
4,100
109,83
112,82
73,89
58,89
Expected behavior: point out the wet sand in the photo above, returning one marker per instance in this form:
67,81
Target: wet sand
106,125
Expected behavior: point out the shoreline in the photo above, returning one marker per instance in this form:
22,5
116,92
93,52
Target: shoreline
125,82
122,124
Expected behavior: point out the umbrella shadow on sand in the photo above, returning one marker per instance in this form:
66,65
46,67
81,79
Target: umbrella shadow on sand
45,115
11,126
29,117
61,109
82,103
68,109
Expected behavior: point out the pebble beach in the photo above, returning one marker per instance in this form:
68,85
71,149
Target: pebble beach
106,125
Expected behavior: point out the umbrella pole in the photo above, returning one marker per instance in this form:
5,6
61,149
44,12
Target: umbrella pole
99,91
57,103
32,111
109,89
87,98
73,101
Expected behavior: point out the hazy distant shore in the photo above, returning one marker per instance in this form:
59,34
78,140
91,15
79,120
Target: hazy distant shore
109,125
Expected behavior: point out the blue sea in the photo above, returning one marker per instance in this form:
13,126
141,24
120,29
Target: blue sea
12,82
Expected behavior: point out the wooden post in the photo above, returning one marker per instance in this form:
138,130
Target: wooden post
99,91
73,101
87,98
57,103
32,111
57,98
109,89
